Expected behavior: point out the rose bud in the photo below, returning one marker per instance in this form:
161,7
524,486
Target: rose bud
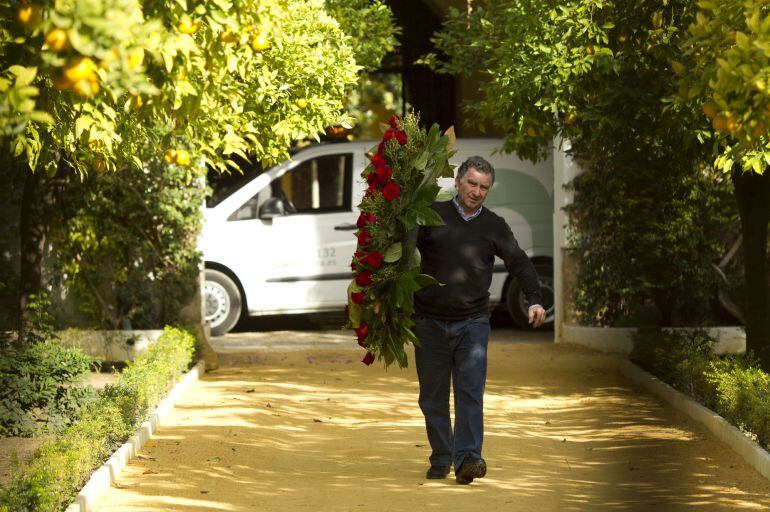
393,122
368,359
364,278
400,137
358,297
361,331
364,238
373,260
391,192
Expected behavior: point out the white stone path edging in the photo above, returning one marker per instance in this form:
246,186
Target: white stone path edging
102,479
752,453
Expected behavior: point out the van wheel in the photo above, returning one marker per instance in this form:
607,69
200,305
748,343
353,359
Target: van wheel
222,302
517,305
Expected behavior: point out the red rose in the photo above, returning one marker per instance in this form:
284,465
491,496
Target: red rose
358,297
364,238
364,278
380,147
383,175
361,332
365,218
391,191
389,134
368,359
373,260
393,122
400,137
378,161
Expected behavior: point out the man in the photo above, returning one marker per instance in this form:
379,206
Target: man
452,321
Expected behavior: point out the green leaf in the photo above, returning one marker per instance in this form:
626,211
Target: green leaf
444,194
426,280
421,161
393,253
24,75
427,216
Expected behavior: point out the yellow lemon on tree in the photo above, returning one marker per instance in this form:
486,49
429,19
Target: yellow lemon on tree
86,88
590,50
710,109
531,132
302,103
135,58
720,123
570,118
623,38
182,157
260,43
187,26
170,156
29,15
99,165
57,39
228,37
79,68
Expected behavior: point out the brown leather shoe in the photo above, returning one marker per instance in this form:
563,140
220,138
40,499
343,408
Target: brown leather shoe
437,472
470,468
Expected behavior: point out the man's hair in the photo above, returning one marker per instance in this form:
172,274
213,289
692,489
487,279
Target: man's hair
478,163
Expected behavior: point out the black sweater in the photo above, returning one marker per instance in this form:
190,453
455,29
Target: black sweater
461,254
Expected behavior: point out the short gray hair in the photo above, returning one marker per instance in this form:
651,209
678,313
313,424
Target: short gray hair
478,163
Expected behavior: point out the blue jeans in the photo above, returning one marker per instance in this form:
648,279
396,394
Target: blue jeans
456,351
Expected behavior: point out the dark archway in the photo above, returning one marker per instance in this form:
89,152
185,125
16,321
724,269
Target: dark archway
430,94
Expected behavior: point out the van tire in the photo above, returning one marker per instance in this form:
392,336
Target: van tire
517,305
221,302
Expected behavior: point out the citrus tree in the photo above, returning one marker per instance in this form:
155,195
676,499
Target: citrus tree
97,86
725,68
606,74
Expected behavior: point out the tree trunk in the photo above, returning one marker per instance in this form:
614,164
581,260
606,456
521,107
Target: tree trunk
32,233
753,194
38,210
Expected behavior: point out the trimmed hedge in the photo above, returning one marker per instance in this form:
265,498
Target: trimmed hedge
733,385
60,467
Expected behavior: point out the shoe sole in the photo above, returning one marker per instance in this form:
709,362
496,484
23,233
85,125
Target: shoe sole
468,472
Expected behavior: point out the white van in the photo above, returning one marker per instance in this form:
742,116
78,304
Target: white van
283,242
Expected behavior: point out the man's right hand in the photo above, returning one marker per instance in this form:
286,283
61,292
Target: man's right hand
536,316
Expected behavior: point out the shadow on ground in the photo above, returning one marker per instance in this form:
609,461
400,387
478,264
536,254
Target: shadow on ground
316,430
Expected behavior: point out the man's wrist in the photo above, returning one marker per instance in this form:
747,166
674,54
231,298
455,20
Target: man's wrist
535,306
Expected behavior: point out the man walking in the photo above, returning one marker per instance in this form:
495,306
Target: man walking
452,321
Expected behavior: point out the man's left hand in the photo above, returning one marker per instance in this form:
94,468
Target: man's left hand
536,316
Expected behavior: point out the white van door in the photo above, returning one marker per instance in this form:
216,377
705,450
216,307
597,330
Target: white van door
308,250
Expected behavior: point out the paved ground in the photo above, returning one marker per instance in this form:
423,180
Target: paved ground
298,423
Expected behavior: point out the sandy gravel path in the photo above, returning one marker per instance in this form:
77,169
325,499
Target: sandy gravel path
314,429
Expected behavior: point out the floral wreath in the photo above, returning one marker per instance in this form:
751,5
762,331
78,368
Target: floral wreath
401,178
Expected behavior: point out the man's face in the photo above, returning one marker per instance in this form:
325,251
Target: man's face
472,189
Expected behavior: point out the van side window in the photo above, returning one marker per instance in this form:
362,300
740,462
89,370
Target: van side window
318,185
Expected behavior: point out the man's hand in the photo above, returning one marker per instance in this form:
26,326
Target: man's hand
536,316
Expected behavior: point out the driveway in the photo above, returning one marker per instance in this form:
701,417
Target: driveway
293,421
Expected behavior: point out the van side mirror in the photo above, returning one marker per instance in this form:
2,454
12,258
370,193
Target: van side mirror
271,208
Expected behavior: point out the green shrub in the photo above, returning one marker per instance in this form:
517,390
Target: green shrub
743,397
61,467
732,385
41,387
